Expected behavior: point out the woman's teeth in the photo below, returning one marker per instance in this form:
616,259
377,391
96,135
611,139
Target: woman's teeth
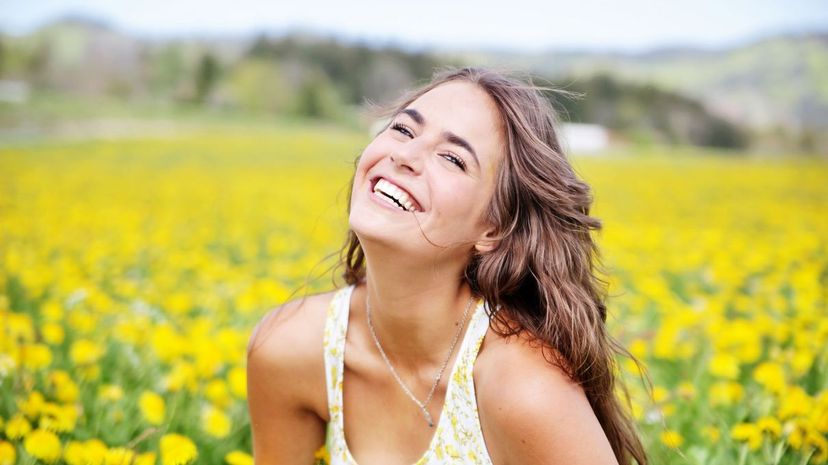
394,195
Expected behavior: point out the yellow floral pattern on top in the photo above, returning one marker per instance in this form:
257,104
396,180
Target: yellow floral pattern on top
458,438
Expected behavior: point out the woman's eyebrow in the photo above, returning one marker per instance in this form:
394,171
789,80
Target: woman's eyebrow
449,136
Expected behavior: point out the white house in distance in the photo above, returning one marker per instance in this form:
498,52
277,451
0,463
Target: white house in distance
582,138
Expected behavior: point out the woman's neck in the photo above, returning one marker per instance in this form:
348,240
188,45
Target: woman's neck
416,308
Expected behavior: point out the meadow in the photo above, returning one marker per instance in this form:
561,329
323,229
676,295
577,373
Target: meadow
132,273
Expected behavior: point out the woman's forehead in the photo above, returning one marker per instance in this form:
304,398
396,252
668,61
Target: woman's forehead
465,109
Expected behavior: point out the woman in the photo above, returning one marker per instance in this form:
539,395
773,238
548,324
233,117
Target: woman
471,329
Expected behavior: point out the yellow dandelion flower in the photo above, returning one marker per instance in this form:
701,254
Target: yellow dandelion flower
53,333
747,432
52,310
110,392
95,451
59,418
65,389
119,456
671,439
33,405
74,453
177,449
238,457
8,454
660,394
35,356
147,458
795,402
237,380
216,391
215,422
724,366
18,327
17,427
770,425
726,393
43,445
152,407
85,352
771,376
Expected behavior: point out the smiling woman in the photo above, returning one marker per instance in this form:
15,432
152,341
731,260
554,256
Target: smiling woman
471,328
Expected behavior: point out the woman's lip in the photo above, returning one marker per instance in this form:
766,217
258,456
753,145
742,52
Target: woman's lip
375,196
416,205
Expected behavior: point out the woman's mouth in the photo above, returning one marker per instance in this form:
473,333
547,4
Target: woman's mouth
394,195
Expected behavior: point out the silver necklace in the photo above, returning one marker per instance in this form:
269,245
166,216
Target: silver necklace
422,405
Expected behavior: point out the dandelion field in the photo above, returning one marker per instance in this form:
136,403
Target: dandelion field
133,271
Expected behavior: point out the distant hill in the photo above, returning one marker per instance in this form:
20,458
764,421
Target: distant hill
679,96
778,81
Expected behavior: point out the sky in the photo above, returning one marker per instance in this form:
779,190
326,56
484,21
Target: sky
514,25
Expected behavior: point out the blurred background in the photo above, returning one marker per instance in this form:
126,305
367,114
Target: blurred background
172,171
735,75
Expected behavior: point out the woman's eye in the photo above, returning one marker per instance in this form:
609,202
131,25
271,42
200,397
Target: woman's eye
402,129
456,160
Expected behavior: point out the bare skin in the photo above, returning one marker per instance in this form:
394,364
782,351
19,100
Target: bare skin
529,412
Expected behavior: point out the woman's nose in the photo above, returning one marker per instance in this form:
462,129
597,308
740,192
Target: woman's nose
408,157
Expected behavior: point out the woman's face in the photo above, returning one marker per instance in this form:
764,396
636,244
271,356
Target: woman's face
434,165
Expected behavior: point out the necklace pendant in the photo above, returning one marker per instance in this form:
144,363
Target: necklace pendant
428,418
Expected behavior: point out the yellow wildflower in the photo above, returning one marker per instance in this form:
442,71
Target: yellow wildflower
152,407
119,456
671,439
725,393
237,380
110,392
147,458
43,445
33,405
215,422
770,425
60,418
747,432
74,454
241,458
771,376
177,449
217,392
85,352
8,454
660,394
795,402
35,356
724,366
65,389
53,333
17,427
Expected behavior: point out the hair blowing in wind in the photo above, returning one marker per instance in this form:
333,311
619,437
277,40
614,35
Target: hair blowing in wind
544,273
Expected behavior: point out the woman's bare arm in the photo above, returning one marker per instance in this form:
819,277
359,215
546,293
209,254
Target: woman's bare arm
285,379
534,414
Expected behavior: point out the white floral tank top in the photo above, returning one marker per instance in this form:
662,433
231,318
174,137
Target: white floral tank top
458,438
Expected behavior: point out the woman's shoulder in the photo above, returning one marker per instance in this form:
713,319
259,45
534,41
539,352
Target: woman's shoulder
291,324
286,345
527,402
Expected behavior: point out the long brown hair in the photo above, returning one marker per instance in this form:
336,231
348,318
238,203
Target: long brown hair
543,275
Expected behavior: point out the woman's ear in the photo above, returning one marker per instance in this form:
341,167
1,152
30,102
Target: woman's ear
487,241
